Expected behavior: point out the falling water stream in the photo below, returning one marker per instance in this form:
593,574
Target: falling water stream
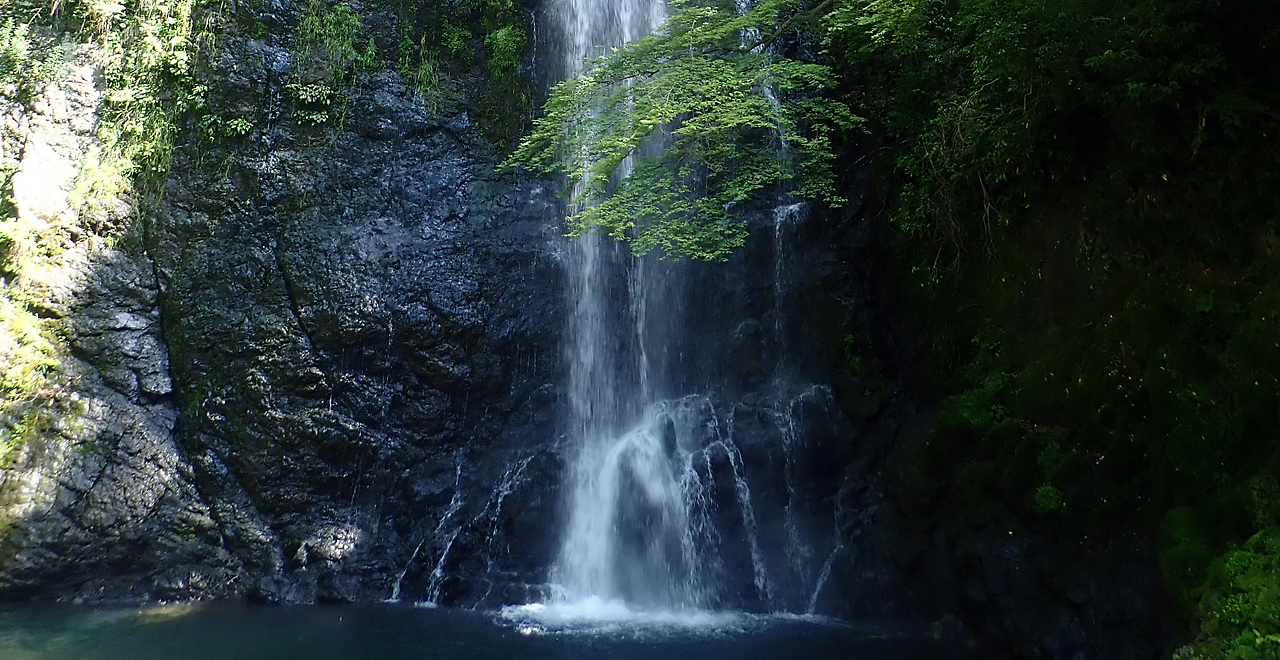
640,535
628,535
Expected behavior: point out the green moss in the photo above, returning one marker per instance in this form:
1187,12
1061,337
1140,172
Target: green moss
328,39
1183,525
1264,496
30,349
30,356
457,39
1186,553
980,409
857,345
503,109
420,69
1048,500
437,59
193,399
103,176
146,51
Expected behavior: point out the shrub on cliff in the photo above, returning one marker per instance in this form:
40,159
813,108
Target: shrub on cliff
1240,615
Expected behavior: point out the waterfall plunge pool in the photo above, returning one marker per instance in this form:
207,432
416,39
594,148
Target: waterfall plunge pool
233,631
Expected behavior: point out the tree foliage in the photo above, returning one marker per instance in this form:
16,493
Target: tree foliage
985,105
1081,196
667,139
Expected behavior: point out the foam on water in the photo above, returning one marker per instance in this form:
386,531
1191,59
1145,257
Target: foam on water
598,616
594,613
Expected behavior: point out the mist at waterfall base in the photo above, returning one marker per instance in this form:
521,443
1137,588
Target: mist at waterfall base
387,632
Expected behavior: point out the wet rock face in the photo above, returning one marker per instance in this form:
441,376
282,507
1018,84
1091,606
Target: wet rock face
321,369
364,330
96,499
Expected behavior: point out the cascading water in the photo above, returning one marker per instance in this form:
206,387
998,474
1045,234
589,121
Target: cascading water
627,537
661,517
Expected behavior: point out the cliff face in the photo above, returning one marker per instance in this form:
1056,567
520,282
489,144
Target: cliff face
95,490
326,364
363,331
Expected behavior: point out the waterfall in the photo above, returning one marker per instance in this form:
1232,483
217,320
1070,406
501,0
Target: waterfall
681,479
628,535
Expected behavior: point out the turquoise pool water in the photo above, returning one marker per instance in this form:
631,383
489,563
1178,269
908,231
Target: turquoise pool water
229,631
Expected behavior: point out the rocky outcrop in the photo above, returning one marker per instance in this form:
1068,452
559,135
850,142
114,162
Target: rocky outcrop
322,366
364,329
96,498
362,325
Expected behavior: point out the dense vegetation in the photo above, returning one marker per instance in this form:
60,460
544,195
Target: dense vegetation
1080,201
1082,204
437,51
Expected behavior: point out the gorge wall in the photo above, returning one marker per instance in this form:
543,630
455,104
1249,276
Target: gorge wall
326,365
